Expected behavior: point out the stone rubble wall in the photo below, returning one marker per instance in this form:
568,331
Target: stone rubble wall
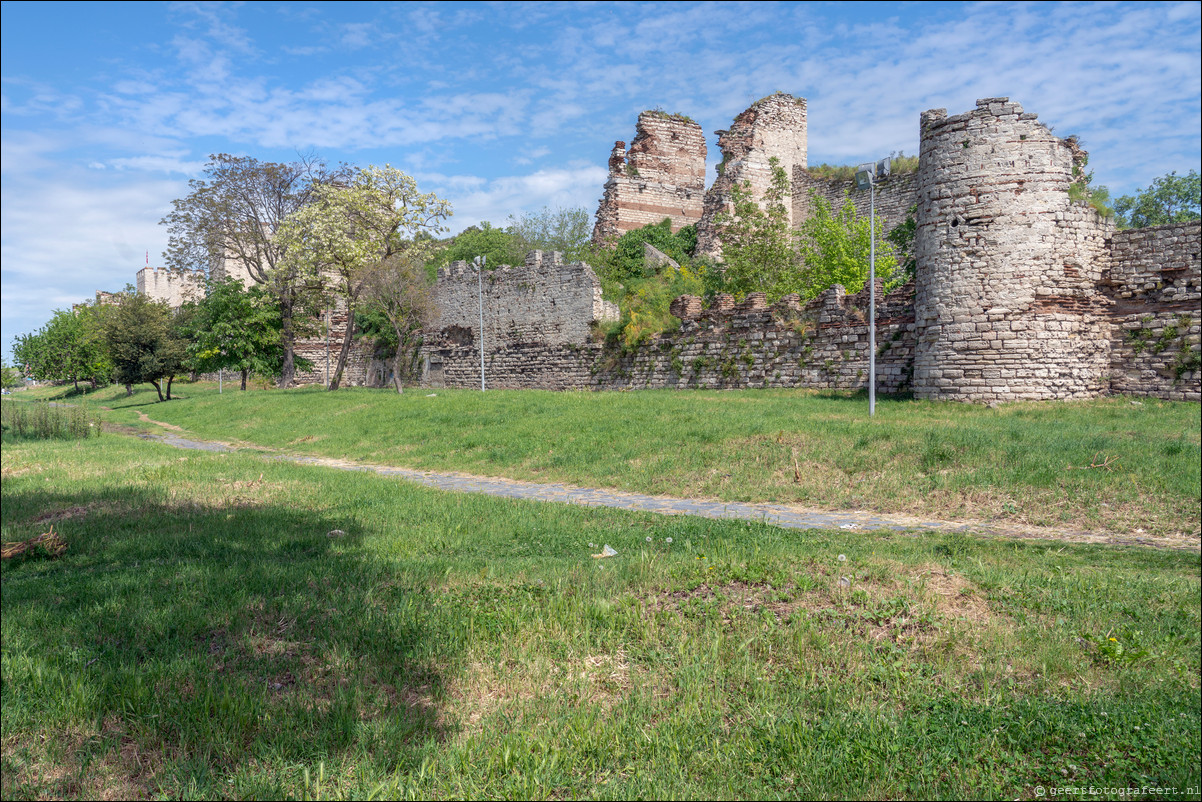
774,126
1155,283
661,176
823,344
173,286
530,311
1007,302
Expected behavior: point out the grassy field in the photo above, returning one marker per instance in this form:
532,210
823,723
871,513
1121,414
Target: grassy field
1022,464
206,636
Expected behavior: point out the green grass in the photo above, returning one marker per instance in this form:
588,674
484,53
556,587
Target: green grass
203,636
1022,464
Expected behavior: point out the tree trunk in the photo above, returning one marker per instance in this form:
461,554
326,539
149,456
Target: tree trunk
244,372
396,370
158,389
346,347
170,379
129,390
288,336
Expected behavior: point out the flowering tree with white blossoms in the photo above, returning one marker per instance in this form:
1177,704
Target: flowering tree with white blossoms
351,227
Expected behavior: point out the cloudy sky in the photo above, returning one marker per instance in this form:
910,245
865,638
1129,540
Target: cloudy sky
110,108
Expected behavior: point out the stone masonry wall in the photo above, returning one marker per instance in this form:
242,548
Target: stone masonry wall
1154,281
173,286
662,175
538,310
774,126
821,345
1007,302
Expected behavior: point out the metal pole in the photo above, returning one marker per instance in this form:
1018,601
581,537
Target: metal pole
480,262
872,302
219,371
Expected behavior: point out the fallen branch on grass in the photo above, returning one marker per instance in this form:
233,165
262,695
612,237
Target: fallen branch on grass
1108,463
49,542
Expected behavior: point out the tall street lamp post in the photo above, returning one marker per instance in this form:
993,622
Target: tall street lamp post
867,177
479,262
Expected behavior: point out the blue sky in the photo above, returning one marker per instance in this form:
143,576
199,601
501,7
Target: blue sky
108,109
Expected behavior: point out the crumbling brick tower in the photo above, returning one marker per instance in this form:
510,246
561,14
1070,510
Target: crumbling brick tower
662,175
1006,305
774,126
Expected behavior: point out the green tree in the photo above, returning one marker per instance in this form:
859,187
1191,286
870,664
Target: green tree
347,229
234,213
626,260
238,329
397,290
69,348
1169,199
144,344
567,230
835,248
498,245
759,253
10,377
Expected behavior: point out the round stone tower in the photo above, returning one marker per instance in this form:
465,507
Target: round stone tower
1007,302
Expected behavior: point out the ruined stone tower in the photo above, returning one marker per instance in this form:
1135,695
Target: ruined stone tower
662,175
774,126
1006,305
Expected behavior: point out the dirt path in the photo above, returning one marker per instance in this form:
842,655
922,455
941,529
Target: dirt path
783,515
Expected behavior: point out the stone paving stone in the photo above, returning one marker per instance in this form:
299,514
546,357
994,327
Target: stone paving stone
772,514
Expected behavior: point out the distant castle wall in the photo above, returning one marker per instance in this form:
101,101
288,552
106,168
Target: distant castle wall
171,286
1020,292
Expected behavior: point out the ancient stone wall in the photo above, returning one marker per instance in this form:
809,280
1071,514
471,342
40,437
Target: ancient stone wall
1007,302
531,314
173,286
773,127
662,175
823,344
1155,282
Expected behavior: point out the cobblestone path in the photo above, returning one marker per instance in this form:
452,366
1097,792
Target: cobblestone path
787,517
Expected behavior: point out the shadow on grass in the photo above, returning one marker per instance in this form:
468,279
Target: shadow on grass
205,651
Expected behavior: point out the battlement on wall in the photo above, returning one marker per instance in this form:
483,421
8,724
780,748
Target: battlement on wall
545,301
662,175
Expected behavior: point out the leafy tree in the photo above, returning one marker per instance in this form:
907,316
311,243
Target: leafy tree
238,329
1169,199
398,290
349,229
758,247
566,230
235,213
69,348
626,261
144,344
835,248
499,246
10,377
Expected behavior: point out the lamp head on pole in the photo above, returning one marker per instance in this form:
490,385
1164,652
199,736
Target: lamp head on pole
864,175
